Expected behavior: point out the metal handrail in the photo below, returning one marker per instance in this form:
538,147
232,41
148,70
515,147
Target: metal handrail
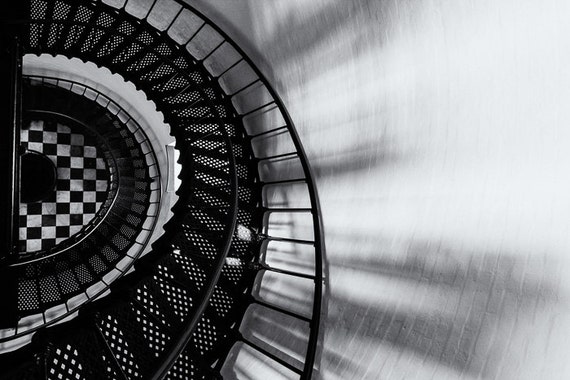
313,195
153,159
69,311
90,227
315,206
188,330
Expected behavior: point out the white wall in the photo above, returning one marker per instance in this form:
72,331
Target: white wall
439,132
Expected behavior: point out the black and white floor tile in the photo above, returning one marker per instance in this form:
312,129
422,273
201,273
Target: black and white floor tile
81,188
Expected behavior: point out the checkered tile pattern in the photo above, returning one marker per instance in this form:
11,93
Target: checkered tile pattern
82,185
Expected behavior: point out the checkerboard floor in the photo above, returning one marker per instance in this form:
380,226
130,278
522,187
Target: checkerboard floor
81,188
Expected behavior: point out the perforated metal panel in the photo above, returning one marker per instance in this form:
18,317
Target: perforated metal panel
186,368
66,364
141,321
85,358
178,298
205,336
194,271
149,296
234,272
124,350
195,242
222,301
84,263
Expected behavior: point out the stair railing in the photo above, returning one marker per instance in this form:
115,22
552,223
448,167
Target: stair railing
204,43
272,100
48,318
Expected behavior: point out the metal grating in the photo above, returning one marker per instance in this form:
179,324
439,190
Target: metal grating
146,313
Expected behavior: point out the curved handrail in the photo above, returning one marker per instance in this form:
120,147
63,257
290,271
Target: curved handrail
189,328
91,226
308,176
314,199
70,311
153,161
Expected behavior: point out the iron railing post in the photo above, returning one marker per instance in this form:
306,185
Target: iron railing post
11,77
11,34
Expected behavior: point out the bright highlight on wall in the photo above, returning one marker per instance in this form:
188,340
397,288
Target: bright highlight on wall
439,134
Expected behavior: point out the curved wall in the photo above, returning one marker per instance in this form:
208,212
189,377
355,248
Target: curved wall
134,102
439,135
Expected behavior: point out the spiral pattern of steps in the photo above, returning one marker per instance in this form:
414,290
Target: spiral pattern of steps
179,313
85,263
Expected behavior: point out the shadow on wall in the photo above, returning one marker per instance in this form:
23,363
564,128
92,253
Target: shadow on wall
332,18
284,334
295,36
428,311
411,309
472,103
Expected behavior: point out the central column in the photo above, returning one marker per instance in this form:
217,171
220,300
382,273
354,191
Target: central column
13,31
12,34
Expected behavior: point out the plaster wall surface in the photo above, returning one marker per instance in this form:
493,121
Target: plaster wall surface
438,132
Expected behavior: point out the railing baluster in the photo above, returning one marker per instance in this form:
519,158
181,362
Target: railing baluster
279,209
290,240
257,109
283,181
268,132
150,10
174,19
272,356
314,320
229,68
288,272
195,34
213,51
277,156
282,311
244,88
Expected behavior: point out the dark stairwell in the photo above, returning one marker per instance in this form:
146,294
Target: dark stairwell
100,303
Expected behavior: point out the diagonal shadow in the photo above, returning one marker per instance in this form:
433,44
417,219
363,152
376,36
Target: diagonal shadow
305,34
487,295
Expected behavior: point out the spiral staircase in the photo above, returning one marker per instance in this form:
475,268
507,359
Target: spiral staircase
110,300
